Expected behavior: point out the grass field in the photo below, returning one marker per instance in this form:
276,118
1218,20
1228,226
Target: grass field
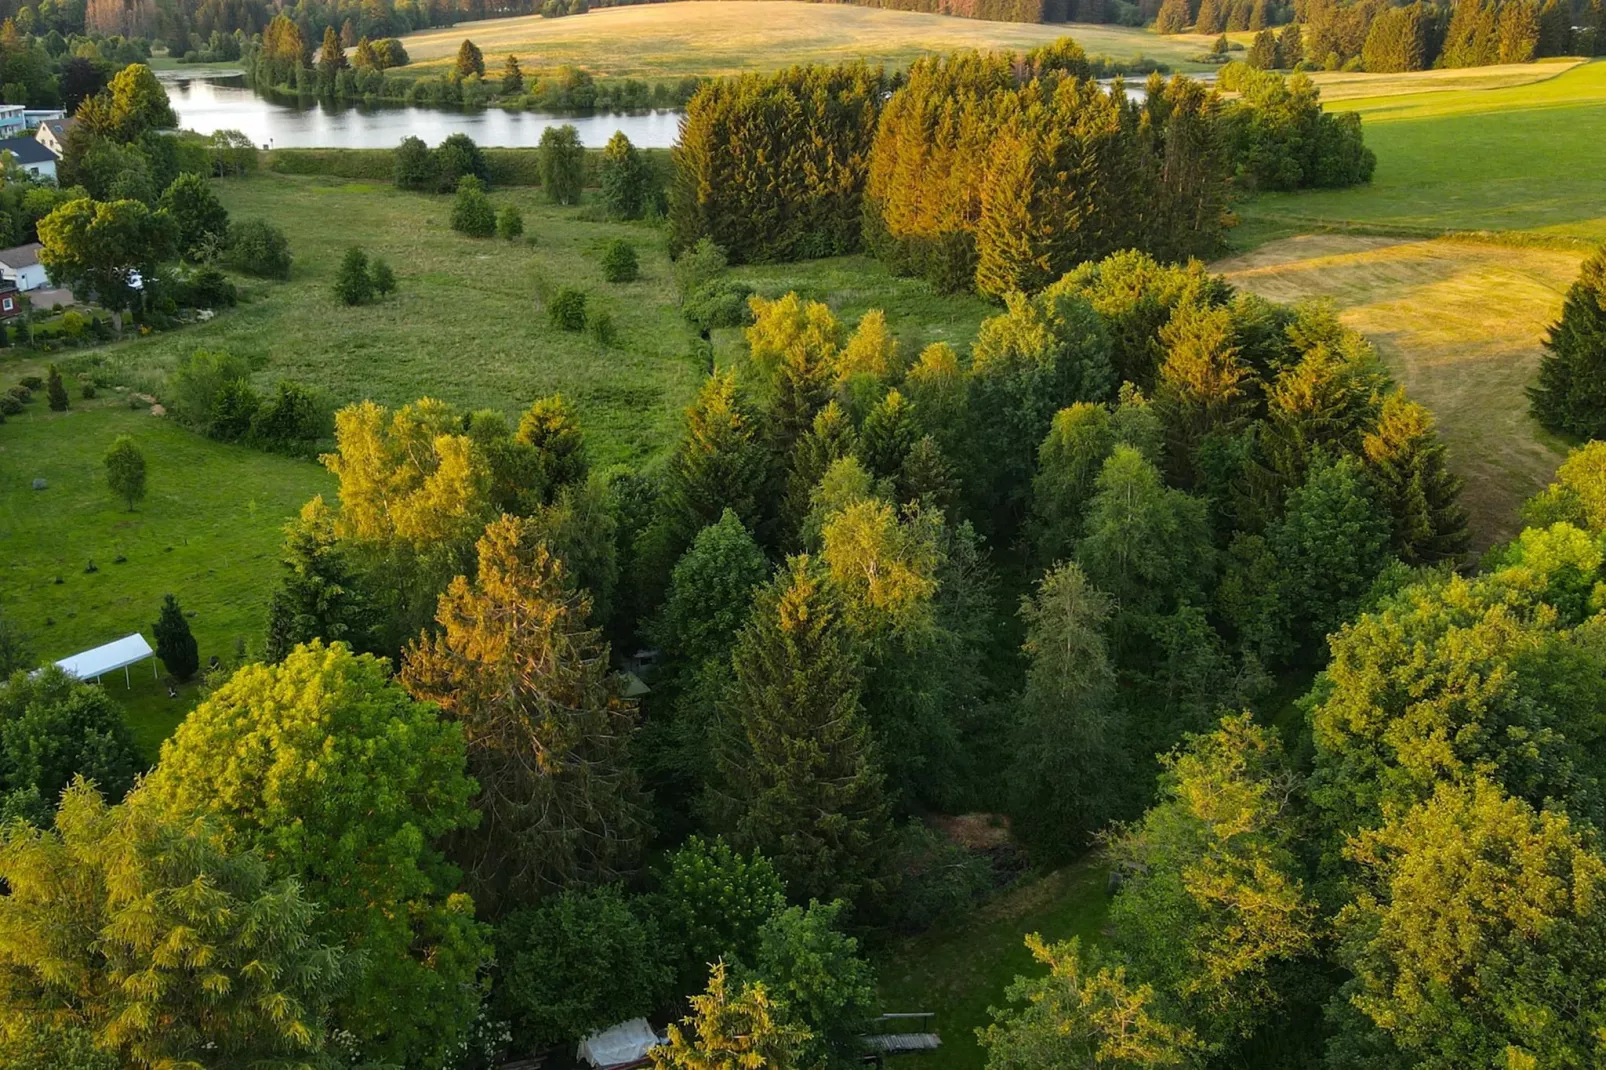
467,326
1522,160
208,532
659,41
960,970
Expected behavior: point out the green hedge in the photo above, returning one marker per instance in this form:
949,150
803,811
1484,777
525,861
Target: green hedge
509,167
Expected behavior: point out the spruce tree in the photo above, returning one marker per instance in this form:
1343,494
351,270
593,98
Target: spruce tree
1290,47
1257,16
719,464
174,643
512,76
1210,18
1570,397
799,782
623,176
320,596
1068,463
1204,386
1263,53
1172,18
889,432
56,391
1408,463
331,57
353,284
829,440
469,60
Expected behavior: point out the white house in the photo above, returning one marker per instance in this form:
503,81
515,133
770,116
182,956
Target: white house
21,267
31,156
13,121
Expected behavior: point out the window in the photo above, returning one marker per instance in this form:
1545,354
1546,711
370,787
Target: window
7,305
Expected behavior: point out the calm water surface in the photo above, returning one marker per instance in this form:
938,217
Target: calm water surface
226,104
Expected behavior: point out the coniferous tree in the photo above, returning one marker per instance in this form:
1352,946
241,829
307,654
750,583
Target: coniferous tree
512,75
1257,17
1210,19
56,391
1068,464
331,57
829,440
799,782
1518,30
174,643
548,732
742,1030
889,432
469,60
1204,387
1407,461
1555,29
1263,53
1068,759
624,177
354,285
719,464
1570,397
1173,17
320,597
366,58
1290,47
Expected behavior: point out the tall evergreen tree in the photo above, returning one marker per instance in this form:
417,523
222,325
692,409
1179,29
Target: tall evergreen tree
547,729
331,57
799,781
624,177
719,464
1068,764
1210,19
174,643
1068,464
1570,397
1408,463
1204,387
469,60
320,596
1173,17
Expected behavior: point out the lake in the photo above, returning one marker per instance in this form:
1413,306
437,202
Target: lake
206,105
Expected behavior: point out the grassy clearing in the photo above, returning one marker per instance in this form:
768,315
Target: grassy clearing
1358,85
1523,160
658,41
960,970
1459,324
467,325
208,532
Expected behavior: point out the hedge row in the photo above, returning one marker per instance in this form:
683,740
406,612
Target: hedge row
509,167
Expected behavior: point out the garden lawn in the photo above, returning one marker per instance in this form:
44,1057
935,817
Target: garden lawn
208,531
1525,161
961,969
672,40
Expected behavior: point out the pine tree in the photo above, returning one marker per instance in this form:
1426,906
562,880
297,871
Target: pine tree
829,440
1263,53
331,57
1407,461
469,60
512,76
56,391
320,596
888,433
799,782
548,733
1257,16
1570,397
174,643
1290,47
1068,761
719,464
1210,19
1518,31
1204,387
1172,18
353,284
366,58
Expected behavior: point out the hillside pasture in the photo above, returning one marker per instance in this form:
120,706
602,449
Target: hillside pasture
706,39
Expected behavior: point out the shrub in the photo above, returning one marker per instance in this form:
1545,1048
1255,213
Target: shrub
567,311
9,405
472,213
698,265
719,303
455,159
415,166
383,278
87,390
619,262
509,222
292,418
354,286
257,247
562,161
600,324
30,382
210,288
195,385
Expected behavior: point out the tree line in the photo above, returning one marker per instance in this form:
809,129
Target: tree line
988,171
1384,37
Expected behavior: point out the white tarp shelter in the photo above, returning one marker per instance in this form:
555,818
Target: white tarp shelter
118,654
621,1045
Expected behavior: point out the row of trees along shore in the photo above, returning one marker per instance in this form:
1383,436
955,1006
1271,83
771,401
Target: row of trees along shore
987,170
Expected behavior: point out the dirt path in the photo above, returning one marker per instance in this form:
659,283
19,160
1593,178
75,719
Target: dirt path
1459,324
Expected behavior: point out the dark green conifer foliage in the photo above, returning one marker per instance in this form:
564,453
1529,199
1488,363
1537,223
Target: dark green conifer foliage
1407,462
1570,397
799,782
56,391
174,643
1263,53
624,177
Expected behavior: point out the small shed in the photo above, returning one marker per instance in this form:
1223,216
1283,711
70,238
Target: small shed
20,266
109,657
619,1046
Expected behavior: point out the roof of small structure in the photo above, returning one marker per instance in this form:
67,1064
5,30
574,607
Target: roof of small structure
109,656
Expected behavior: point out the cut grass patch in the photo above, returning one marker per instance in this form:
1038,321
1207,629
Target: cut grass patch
660,41
208,531
1459,325
961,969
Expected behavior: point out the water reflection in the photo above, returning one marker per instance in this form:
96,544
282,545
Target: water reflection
205,105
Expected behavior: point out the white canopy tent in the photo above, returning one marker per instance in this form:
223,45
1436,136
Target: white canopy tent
118,654
625,1044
